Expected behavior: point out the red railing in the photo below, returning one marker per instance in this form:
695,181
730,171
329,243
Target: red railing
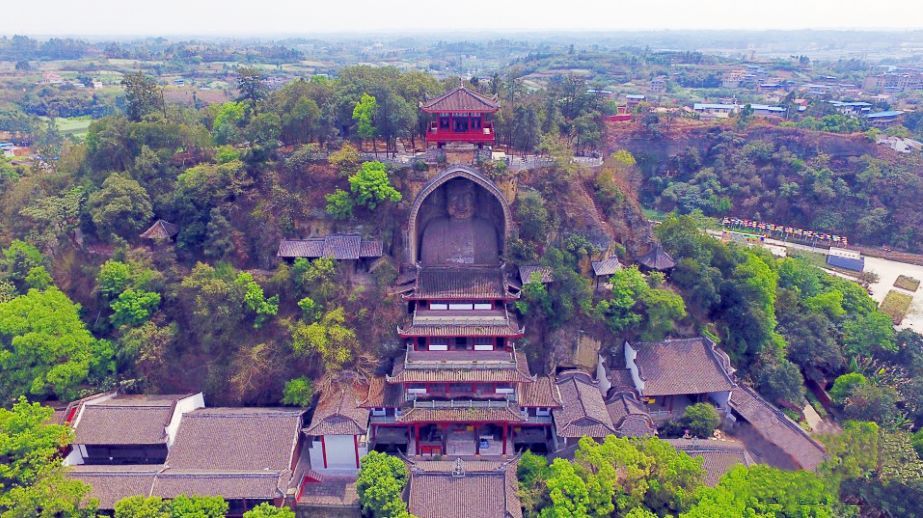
484,134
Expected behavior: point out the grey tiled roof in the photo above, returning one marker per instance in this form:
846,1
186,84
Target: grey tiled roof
583,411
682,366
457,282
236,439
335,246
777,428
718,456
126,419
606,266
338,411
483,490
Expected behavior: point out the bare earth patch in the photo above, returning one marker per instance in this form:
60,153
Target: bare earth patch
896,305
906,282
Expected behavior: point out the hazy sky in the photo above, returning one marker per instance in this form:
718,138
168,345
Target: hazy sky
286,17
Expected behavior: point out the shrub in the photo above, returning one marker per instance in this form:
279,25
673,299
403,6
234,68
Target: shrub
845,384
298,392
701,419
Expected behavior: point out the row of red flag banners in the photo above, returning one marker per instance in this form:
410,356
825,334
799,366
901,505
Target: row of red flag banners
798,232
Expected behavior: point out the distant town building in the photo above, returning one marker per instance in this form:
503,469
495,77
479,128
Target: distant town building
658,85
885,118
634,99
715,110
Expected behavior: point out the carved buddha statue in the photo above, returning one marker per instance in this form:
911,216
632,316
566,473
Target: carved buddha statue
461,237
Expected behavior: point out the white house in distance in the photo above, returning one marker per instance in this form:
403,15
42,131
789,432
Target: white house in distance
115,428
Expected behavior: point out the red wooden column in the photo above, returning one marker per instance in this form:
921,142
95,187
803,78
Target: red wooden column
356,447
323,450
503,437
416,434
477,440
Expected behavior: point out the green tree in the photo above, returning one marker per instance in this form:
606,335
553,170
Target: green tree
780,380
535,297
701,419
218,242
45,348
122,207
532,472
134,307
532,216
142,95
267,510
32,481
18,260
381,480
143,507
868,333
845,384
255,300
199,507
329,337
364,113
339,204
663,309
765,491
251,86
567,491
371,186
298,392
874,403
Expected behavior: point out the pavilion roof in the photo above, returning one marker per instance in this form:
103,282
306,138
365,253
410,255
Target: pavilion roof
339,411
526,271
462,367
160,230
460,99
606,266
657,259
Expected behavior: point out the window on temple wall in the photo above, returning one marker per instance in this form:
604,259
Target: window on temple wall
484,344
438,306
439,346
543,412
461,344
461,306
444,121
484,305
379,412
416,388
505,389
